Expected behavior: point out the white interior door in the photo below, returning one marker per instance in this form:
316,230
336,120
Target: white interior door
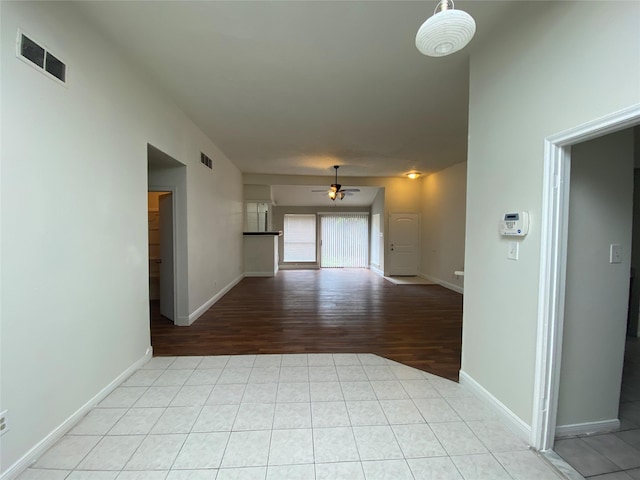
167,302
404,235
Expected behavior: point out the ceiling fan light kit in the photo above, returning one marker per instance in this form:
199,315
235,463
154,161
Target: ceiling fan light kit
336,190
413,175
446,32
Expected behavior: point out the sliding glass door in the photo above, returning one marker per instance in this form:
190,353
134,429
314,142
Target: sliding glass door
344,240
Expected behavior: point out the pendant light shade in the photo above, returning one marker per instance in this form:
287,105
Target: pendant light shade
446,32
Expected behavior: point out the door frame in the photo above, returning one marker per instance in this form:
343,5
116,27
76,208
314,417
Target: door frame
553,262
172,190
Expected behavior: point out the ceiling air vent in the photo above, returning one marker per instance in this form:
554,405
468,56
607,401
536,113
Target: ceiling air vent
41,58
206,161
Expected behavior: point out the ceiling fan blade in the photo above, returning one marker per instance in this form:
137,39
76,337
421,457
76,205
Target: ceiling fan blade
350,189
323,191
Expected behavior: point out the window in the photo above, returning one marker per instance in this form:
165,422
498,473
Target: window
345,240
299,238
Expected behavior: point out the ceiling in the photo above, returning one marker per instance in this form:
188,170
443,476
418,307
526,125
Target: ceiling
305,196
297,87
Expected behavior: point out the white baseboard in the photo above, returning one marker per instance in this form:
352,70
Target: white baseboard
286,266
47,442
260,274
450,286
197,313
602,426
515,423
375,269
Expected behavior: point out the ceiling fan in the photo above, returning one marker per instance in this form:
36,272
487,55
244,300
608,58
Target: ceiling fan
336,190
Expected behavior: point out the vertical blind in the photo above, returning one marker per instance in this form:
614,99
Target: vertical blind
299,238
345,240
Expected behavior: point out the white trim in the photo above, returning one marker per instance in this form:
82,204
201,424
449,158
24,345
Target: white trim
299,266
206,305
515,423
56,434
260,274
589,428
377,270
450,286
557,159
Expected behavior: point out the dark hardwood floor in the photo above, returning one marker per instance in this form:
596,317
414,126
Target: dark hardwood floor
325,311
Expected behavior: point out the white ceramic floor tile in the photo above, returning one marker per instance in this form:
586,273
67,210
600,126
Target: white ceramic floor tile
216,361
202,450
192,395
173,378
401,412
339,471
293,392
387,470
525,465
247,449
616,450
157,397
419,389
351,373
323,374
471,409
176,420
329,414
366,413
226,394
358,391
216,418
264,375
88,475
147,475
480,467
346,359
234,375
583,457
98,421
632,437
254,416
241,361
185,363
207,376
441,468
402,372
496,437
447,388
371,359
161,363
41,474
320,359
209,474
142,378
376,443
269,360
112,453
379,372
325,392
291,447
418,441
260,393
294,374
436,410
156,452
334,445
294,360
292,415
123,397
137,421
457,438
389,390
291,472
67,452
243,473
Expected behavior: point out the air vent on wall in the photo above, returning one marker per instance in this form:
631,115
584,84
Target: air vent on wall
206,160
41,58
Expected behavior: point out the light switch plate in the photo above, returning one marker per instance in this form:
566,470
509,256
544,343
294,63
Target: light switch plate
615,254
513,250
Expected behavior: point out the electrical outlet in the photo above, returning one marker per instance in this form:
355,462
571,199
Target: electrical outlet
4,425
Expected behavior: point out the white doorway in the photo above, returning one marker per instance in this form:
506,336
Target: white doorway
553,273
404,239
161,252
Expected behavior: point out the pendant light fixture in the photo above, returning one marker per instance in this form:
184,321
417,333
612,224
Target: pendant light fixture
446,32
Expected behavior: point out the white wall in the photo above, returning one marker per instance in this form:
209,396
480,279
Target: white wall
560,66
377,207
597,292
74,299
443,220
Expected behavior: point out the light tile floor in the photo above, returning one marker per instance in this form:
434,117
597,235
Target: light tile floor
612,456
279,417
